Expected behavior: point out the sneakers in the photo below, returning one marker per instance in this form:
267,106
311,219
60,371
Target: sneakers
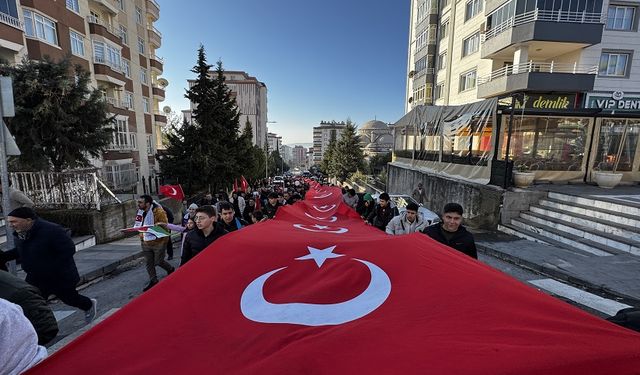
90,314
169,272
149,286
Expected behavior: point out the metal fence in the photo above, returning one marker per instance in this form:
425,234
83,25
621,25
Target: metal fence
78,189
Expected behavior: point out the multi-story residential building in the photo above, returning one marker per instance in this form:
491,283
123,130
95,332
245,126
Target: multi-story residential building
116,41
251,98
287,153
568,68
323,135
274,142
299,156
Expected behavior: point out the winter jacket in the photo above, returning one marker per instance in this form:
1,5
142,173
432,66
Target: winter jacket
159,217
19,350
34,306
270,211
195,241
462,240
400,225
381,216
419,195
46,254
235,224
351,201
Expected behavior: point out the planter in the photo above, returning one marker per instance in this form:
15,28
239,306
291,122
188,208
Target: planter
607,180
523,179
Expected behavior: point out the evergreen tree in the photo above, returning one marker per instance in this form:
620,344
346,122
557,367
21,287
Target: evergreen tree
327,165
347,157
251,157
60,120
177,161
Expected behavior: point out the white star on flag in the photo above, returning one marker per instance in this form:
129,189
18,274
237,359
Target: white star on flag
321,227
320,255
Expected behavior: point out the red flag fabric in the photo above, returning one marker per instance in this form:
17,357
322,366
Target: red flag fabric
172,191
244,185
316,291
235,185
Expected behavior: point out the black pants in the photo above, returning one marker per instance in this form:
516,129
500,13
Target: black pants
170,248
67,294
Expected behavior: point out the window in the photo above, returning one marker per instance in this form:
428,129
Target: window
444,29
73,5
145,105
472,8
8,8
128,100
471,44
620,17
501,15
139,16
124,35
439,91
421,64
122,138
468,80
104,53
149,144
140,45
443,3
614,64
442,60
418,94
126,68
143,75
40,27
422,11
77,43
121,5
421,40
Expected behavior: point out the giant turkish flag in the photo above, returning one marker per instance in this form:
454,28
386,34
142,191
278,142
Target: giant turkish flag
316,291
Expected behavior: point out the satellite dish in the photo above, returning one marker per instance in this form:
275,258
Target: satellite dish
166,109
163,82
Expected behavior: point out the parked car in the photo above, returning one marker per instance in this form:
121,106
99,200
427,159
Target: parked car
401,201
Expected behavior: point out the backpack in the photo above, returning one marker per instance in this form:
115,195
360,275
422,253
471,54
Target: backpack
629,318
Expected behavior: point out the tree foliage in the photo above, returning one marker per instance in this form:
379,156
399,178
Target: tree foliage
346,157
378,163
216,152
60,121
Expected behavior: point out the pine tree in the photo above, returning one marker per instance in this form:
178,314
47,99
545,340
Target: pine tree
327,164
347,156
60,120
177,161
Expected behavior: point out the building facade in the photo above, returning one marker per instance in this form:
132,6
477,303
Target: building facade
274,142
568,71
251,98
376,138
299,156
323,135
116,41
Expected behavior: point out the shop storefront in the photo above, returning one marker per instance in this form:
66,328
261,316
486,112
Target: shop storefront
616,146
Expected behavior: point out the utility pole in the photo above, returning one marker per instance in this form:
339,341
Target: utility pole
7,109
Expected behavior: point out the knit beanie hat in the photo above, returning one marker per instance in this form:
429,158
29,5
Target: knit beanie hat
23,213
367,197
193,205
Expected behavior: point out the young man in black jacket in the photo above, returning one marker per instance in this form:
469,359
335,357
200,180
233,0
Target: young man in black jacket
229,222
207,230
382,213
271,207
450,232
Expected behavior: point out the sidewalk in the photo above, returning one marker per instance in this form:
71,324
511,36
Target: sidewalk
100,260
618,275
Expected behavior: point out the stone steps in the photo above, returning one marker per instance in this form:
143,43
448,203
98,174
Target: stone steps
594,226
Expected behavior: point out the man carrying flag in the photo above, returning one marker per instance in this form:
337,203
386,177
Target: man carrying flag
153,247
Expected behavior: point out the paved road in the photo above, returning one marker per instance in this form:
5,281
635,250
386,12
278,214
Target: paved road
127,281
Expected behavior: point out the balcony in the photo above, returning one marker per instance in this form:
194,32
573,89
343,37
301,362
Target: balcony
555,30
158,93
107,6
108,71
11,21
153,9
155,37
156,63
160,118
104,29
537,76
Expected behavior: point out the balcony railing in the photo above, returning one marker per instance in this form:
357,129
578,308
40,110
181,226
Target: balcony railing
539,67
543,15
114,30
110,64
153,28
423,72
11,21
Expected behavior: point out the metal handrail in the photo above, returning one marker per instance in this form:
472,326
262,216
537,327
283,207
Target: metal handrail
153,28
110,28
157,58
543,15
539,67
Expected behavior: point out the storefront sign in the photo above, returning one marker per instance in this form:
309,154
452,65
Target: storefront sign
544,101
618,101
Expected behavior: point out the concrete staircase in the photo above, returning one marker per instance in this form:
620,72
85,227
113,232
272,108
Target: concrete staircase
601,226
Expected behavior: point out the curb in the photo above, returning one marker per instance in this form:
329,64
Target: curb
97,273
559,275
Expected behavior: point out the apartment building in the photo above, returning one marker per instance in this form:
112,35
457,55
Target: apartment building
274,142
323,135
569,69
251,98
116,41
299,156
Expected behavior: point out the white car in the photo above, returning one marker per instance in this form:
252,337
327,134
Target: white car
278,180
401,201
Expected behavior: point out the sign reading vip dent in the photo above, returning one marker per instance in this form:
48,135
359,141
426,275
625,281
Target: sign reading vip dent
545,101
616,101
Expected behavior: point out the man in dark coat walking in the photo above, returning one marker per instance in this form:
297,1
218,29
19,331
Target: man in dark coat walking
451,233
46,252
382,213
207,230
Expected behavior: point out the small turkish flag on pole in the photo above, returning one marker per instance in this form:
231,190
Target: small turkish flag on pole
235,185
244,184
172,191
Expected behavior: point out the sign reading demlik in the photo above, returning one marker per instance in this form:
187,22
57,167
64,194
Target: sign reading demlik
547,101
618,101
